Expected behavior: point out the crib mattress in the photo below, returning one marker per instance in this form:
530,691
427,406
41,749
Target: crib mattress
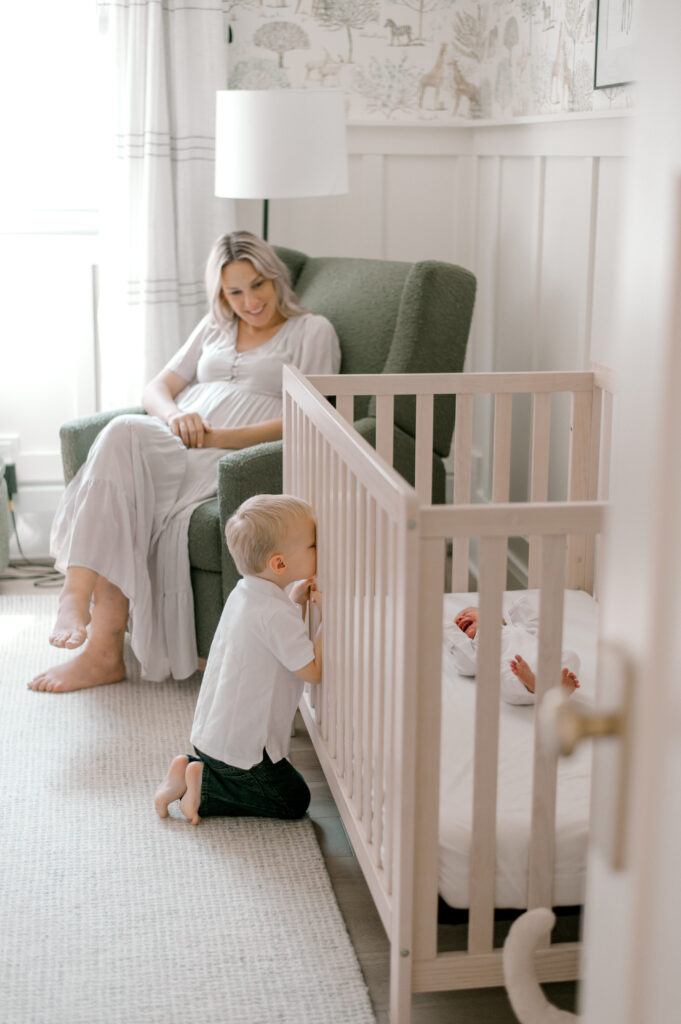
516,748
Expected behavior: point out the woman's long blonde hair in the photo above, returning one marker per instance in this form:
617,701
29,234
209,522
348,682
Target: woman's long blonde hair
243,245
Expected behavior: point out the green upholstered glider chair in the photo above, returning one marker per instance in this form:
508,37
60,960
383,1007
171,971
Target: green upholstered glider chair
391,317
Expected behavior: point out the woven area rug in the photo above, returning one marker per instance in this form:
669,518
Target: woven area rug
109,913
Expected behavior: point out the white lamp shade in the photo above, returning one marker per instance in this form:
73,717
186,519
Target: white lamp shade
280,144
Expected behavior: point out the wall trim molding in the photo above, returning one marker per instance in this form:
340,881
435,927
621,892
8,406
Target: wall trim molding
581,136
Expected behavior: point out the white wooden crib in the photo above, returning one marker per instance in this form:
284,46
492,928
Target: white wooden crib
383,565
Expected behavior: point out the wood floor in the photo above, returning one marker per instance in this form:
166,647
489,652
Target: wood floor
484,1006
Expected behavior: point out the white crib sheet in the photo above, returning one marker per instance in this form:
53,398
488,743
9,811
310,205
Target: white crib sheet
515,774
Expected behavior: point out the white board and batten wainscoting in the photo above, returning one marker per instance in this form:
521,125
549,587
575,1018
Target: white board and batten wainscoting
531,207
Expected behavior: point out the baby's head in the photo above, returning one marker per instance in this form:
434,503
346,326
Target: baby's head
273,535
467,620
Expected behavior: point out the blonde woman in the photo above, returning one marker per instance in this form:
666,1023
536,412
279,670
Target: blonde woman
120,532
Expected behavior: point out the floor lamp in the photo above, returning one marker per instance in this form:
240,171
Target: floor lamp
280,144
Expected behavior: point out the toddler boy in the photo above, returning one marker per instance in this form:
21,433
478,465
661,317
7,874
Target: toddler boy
259,659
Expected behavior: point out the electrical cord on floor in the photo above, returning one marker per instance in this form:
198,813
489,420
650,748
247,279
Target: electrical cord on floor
40,571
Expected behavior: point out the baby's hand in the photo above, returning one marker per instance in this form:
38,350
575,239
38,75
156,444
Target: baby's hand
316,596
302,591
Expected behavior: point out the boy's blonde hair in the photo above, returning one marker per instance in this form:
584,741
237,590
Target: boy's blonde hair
258,528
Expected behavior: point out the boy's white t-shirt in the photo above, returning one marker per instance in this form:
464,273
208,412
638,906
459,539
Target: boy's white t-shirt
249,692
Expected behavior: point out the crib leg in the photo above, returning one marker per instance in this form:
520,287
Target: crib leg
400,985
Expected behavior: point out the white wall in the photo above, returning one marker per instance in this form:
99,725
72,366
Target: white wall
531,207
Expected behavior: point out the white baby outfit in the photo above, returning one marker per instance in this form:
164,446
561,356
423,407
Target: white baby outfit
250,692
518,636
126,512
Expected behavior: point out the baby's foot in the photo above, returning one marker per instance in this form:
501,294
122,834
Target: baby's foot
93,667
569,681
73,615
189,804
522,670
173,786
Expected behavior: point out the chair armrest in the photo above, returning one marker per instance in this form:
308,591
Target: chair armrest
76,438
241,474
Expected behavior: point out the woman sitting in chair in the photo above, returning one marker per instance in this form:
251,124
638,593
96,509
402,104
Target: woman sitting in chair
120,532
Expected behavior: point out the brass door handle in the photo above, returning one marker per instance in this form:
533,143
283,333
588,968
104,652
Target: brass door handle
570,721
565,721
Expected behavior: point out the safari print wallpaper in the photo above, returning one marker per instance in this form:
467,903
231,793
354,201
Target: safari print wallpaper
425,60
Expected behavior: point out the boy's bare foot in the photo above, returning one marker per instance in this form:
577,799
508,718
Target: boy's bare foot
189,804
172,787
522,670
93,667
70,629
569,681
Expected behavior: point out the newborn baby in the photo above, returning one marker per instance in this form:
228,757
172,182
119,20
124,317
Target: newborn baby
518,651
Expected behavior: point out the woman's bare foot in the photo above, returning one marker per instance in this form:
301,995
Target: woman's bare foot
189,804
95,666
70,629
73,616
172,787
569,681
524,673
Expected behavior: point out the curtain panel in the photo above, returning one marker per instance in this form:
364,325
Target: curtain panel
162,63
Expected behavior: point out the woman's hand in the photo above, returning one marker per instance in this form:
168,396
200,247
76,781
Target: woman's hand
189,427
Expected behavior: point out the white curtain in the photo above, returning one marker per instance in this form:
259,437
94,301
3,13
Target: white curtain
162,63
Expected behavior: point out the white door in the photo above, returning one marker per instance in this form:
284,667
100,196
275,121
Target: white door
632,964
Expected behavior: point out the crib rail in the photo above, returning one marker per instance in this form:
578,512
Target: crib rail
375,722
362,718
587,438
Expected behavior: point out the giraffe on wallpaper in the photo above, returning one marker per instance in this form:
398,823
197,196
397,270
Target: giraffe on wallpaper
433,78
464,88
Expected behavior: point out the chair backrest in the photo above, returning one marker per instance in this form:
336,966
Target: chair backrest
392,317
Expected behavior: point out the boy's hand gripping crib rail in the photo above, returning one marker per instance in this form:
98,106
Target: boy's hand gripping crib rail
382,559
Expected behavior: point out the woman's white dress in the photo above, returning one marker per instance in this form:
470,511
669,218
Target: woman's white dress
126,512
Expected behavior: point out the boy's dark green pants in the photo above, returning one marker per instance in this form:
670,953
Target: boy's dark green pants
266,790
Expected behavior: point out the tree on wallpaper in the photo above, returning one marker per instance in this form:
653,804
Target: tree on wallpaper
347,14
423,7
387,86
281,36
470,34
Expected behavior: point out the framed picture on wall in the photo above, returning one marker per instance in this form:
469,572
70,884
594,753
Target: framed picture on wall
614,60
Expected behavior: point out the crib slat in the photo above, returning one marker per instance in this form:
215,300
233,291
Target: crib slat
361,634
427,760
578,483
385,421
463,452
539,480
603,475
594,462
334,612
543,829
391,643
606,448
501,466
324,550
379,628
368,666
351,623
482,863
423,481
345,404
